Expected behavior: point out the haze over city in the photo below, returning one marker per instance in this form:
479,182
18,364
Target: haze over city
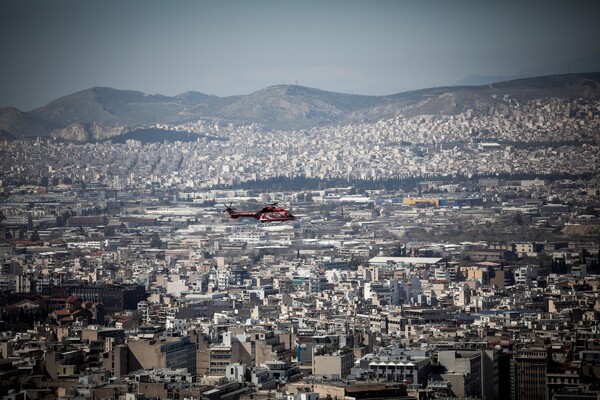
316,229
228,48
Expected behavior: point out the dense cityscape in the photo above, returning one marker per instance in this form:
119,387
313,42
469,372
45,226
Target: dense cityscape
433,256
538,138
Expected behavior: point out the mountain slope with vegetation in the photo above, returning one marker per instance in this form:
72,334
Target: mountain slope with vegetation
99,113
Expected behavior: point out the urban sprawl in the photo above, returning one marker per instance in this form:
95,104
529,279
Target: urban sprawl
455,257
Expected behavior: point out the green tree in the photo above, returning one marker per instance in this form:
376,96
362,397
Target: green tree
518,218
35,236
155,242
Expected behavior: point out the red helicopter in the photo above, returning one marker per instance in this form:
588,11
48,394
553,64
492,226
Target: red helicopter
269,213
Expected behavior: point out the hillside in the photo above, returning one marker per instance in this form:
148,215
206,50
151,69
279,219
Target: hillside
99,113
18,124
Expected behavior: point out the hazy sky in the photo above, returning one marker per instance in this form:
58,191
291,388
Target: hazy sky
54,48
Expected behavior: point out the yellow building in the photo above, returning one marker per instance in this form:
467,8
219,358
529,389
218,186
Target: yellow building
413,201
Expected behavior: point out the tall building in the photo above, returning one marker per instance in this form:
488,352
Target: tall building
463,371
333,365
171,352
490,374
114,297
528,374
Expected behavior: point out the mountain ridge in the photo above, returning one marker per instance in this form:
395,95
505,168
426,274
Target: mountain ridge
92,113
583,64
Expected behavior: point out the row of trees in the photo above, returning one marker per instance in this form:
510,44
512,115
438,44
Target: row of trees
296,183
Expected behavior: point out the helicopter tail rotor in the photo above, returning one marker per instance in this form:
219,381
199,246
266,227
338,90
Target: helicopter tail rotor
228,207
231,211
